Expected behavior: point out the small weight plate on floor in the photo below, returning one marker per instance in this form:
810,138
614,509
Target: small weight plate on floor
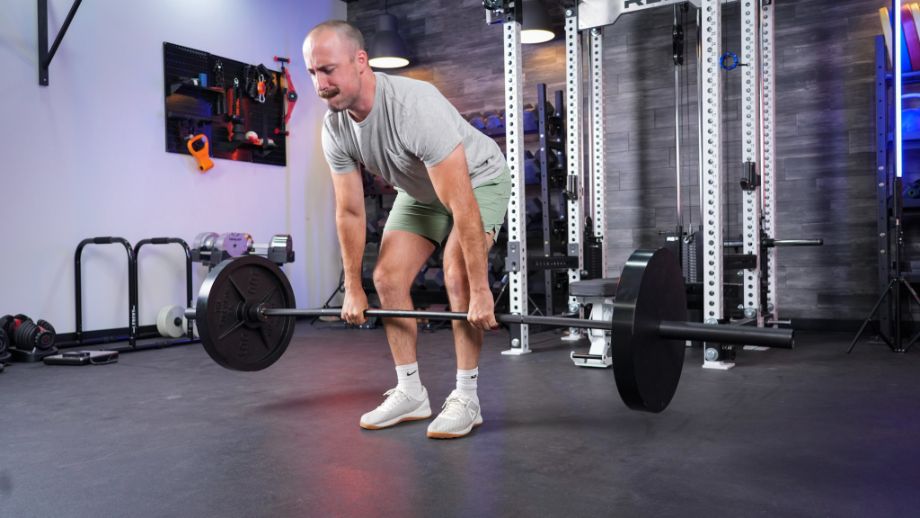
229,335
171,321
647,367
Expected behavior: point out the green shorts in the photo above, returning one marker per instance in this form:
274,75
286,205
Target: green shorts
433,221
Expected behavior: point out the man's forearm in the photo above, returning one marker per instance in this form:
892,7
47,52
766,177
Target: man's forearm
468,224
351,229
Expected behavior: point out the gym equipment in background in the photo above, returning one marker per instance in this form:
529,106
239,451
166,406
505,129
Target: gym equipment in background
134,332
82,358
201,154
223,99
29,341
211,248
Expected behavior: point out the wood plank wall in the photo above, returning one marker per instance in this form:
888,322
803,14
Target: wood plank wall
825,141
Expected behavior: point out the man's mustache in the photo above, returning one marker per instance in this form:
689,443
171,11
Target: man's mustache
329,93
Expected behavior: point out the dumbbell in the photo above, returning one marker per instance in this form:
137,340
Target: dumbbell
234,244
4,347
531,169
211,248
530,120
205,241
26,334
477,121
495,122
913,190
279,250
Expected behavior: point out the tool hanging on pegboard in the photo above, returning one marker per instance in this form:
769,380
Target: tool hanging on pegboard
202,154
235,127
238,105
289,94
259,82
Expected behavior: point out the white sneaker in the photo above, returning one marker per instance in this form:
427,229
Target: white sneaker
398,407
458,417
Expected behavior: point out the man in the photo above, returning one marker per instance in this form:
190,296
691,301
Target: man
452,190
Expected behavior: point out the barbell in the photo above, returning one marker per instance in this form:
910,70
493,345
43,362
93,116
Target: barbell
246,315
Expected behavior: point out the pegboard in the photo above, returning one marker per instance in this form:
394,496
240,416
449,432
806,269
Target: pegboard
201,98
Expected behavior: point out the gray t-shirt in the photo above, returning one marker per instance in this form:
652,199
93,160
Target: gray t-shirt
411,126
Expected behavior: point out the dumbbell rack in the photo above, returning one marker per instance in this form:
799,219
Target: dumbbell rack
895,211
547,122
552,138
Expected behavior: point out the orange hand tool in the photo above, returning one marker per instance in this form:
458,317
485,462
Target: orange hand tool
201,155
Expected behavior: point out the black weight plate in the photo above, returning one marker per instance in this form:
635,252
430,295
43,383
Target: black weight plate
647,367
6,324
47,325
231,340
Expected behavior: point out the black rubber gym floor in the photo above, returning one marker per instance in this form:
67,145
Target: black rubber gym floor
810,432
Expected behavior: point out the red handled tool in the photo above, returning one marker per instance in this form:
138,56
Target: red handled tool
289,93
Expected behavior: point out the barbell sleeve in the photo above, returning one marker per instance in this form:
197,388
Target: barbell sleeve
794,242
778,243
742,335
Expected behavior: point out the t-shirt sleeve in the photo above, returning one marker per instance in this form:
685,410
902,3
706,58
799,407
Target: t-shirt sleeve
427,130
339,161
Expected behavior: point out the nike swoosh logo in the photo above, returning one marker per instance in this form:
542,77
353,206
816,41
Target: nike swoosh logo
411,373
474,376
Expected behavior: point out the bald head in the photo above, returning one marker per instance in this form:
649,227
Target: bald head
337,62
343,32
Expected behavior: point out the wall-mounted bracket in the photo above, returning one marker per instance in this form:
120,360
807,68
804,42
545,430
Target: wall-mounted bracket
44,55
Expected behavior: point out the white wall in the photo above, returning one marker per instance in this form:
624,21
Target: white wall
85,156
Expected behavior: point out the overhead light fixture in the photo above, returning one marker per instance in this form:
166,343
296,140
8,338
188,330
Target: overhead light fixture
388,49
536,23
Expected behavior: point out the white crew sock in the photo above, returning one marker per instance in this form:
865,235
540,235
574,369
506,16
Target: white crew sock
466,382
408,379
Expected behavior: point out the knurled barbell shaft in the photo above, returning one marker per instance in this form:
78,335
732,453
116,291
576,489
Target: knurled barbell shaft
667,329
446,315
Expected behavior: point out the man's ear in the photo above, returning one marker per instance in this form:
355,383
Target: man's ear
361,57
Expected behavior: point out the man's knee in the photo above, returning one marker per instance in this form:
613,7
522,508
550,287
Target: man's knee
455,280
390,281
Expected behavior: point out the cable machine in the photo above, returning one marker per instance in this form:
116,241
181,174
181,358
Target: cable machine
584,24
